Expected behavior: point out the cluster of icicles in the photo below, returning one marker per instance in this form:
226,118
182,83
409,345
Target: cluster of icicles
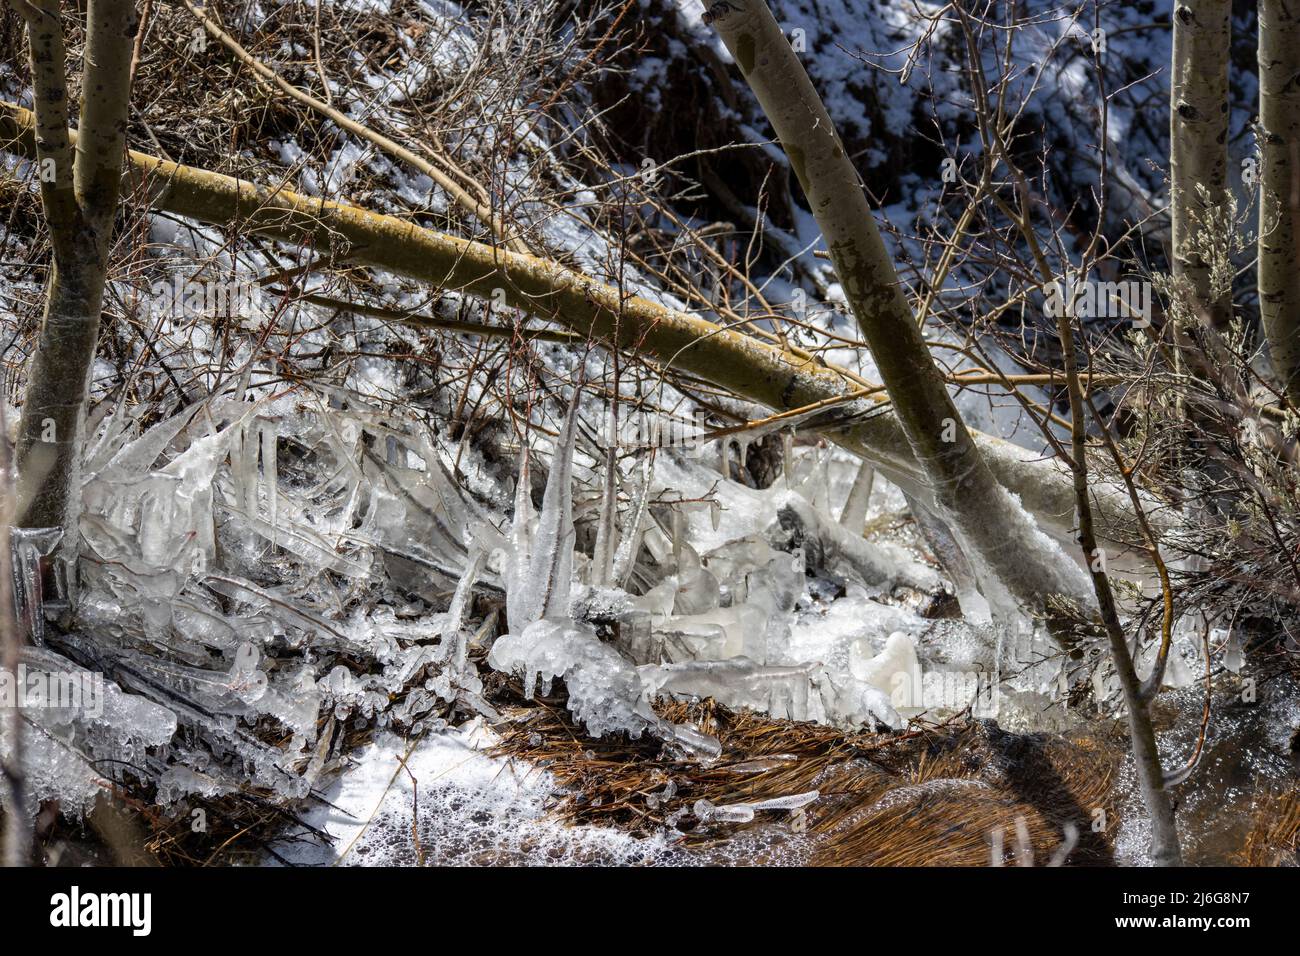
247,568
712,626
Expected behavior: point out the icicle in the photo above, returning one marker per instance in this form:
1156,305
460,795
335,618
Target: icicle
248,476
821,489
26,548
550,571
603,556
453,631
136,458
630,543
103,442
270,472
854,515
1232,656
237,469
520,557
742,457
679,534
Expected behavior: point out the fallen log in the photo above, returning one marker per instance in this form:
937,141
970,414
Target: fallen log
766,374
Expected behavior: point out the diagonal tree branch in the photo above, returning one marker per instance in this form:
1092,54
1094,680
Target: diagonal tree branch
961,485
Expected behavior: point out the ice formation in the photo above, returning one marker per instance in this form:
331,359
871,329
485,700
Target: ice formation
708,812
249,559
713,624
832,546
896,670
606,692
78,726
238,562
248,566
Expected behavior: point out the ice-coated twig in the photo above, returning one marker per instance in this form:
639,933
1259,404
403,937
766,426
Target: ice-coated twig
708,812
630,542
602,559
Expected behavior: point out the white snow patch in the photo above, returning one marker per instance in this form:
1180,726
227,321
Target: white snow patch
467,806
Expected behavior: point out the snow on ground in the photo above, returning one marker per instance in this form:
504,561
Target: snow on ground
468,807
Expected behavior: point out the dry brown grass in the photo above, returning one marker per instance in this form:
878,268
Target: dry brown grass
1274,838
932,796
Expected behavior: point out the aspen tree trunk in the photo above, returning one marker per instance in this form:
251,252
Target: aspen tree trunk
1002,536
1198,144
1279,187
739,363
79,192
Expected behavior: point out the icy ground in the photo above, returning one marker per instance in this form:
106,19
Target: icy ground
463,806
443,801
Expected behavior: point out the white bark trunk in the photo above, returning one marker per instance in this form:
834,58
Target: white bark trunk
80,201
956,477
1198,144
1279,187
